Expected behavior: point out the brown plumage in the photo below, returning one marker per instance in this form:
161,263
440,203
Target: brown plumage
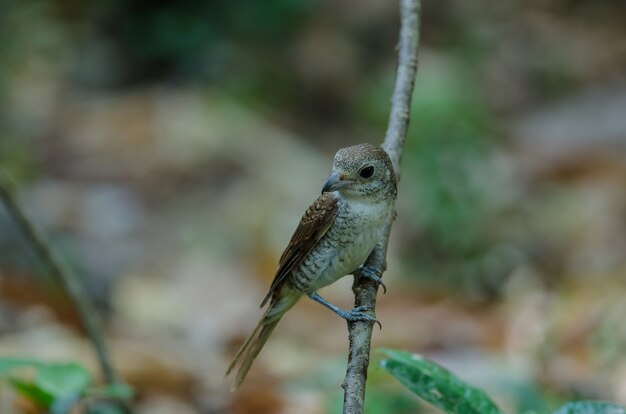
313,226
334,237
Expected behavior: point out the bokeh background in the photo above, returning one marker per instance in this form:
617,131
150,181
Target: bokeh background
169,149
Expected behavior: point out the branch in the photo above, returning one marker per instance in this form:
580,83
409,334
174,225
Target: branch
64,277
360,333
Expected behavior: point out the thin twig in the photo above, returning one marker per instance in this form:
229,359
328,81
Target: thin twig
62,275
360,333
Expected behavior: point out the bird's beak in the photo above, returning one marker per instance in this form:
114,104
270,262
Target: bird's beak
334,182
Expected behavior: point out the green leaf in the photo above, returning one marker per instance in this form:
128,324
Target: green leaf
436,384
63,380
55,386
32,392
590,407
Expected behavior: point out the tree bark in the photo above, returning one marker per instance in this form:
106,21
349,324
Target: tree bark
360,332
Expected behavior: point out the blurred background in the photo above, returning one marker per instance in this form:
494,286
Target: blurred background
170,148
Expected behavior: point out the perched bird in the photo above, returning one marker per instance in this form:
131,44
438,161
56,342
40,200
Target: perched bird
333,239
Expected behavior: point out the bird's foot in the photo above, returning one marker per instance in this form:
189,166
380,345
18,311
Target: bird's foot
359,314
372,274
356,314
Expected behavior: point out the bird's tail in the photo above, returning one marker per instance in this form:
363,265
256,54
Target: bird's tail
256,340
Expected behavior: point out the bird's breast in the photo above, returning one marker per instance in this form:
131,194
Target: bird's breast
348,243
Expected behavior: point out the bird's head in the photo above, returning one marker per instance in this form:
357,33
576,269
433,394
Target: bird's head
362,170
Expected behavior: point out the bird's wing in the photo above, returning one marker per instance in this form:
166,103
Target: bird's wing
313,226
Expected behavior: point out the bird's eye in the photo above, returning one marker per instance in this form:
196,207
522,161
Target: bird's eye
367,172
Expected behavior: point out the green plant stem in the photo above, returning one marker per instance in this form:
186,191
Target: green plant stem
62,275
360,333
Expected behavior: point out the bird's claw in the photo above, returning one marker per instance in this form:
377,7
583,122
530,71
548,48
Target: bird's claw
358,314
373,275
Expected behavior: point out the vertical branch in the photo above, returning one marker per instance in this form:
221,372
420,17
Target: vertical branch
64,277
360,332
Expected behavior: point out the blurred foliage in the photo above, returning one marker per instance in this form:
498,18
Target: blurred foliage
382,396
447,159
378,400
590,407
447,164
163,39
15,160
532,399
449,139
59,386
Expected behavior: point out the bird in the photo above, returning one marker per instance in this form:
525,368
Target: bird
334,238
